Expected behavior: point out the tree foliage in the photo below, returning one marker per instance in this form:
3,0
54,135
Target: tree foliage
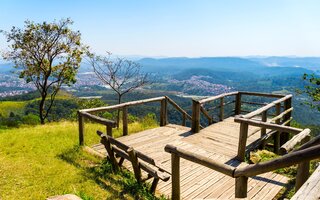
312,89
46,54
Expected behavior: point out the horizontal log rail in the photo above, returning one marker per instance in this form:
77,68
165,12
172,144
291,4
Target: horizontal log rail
254,103
266,107
287,160
268,125
295,140
224,104
265,137
89,114
98,119
314,141
217,97
281,115
202,160
121,105
262,94
237,106
241,174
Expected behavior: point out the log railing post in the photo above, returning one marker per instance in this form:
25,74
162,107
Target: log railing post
81,128
163,112
242,141
184,118
285,136
175,176
276,137
264,119
221,114
125,120
241,187
263,130
237,109
303,170
109,130
195,116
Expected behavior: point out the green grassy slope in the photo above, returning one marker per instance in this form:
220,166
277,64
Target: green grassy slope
12,106
41,161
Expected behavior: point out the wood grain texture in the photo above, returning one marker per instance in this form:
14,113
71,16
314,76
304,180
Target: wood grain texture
218,142
310,190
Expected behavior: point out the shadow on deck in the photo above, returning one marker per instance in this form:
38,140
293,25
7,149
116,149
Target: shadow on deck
213,153
218,142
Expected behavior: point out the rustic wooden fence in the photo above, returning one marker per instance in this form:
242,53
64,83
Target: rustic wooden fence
198,107
302,156
90,114
260,118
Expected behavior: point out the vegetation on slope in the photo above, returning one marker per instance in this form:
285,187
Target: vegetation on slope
45,160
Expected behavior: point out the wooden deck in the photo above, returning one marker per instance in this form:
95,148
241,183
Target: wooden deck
219,142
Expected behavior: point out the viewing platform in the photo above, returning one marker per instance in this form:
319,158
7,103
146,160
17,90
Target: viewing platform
206,160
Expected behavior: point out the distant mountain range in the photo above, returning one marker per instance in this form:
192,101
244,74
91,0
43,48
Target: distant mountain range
256,65
264,66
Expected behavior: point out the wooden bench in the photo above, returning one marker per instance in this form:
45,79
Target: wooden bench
139,161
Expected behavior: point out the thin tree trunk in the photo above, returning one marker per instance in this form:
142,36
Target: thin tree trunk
41,109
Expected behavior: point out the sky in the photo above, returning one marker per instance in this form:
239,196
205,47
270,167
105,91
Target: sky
180,28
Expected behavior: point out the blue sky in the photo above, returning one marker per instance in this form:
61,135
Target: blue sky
191,28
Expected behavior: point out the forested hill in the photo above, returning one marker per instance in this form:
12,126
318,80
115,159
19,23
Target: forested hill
260,66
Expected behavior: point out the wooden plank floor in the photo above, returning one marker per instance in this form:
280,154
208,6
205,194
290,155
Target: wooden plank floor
219,142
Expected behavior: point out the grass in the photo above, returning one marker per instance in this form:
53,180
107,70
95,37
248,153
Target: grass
11,106
18,107
45,160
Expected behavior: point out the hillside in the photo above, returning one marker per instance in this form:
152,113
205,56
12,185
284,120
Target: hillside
226,64
41,161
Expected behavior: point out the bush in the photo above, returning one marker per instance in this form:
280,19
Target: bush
31,119
13,120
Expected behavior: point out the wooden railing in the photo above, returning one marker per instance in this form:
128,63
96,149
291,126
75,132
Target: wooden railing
278,126
90,114
302,156
198,107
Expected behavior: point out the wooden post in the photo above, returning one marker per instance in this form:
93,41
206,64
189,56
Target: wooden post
195,116
263,130
184,117
163,113
242,141
109,131
285,136
238,104
264,119
303,170
302,174
135,164
276,137
175,176
111,156
81,128
241,187
125,120
221,114
154,185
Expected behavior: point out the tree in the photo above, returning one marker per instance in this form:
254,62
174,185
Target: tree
46,54
122,75
312,89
